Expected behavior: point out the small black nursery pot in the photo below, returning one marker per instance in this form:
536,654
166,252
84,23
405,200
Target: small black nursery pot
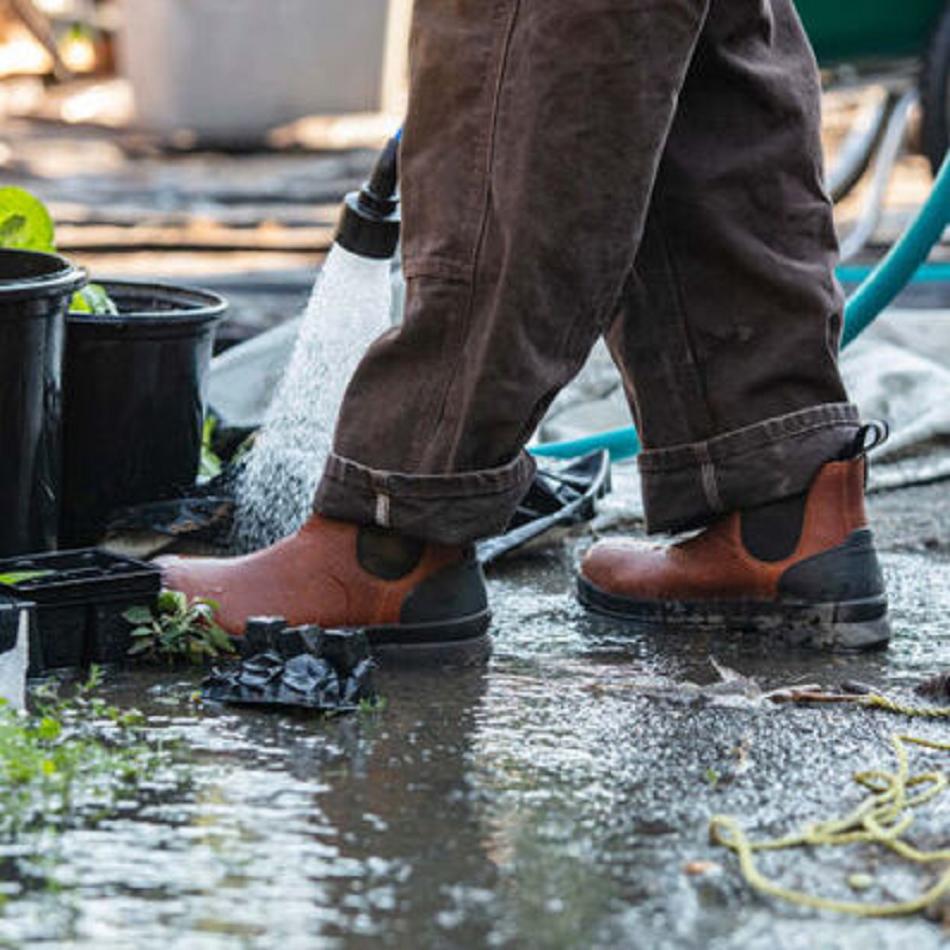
35,290
134,398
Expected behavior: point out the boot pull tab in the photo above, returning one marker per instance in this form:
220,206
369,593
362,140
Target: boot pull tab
869,436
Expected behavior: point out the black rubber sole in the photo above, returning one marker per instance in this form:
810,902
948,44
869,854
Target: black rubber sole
848,626
462,641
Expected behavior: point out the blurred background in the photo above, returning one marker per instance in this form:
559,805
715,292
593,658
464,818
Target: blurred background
210,141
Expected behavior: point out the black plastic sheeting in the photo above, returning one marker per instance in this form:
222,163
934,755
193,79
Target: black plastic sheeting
557,498
303,667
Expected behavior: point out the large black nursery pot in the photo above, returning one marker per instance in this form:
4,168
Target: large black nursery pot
35,290
134,398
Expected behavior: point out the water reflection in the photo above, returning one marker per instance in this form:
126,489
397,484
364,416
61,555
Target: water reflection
549,800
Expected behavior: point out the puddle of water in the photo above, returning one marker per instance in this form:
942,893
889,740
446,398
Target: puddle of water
541,801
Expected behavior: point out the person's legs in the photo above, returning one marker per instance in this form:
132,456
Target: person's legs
533,136
727,341
729,332
534,133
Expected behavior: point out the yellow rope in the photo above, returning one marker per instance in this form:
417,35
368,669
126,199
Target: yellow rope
881,818
877,701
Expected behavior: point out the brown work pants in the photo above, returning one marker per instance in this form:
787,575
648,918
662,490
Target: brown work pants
647,170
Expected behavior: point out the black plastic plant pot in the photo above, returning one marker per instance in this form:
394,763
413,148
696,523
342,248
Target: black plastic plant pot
80,597
34,296
134,397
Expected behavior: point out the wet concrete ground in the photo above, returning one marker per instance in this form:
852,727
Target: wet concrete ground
552,799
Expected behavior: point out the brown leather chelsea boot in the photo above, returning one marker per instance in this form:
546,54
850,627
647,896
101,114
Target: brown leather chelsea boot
802,569
404,593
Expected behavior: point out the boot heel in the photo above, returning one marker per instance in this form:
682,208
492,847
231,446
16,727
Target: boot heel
840,636
848,572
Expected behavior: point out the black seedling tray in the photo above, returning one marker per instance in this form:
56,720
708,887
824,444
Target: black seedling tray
80,597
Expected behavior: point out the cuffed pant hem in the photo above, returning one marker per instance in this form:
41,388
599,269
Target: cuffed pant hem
444,509
687,486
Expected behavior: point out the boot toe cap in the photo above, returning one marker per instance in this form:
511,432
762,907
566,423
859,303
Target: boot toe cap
201,577
609,564
181,574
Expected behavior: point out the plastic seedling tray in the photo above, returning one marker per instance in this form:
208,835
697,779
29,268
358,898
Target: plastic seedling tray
80,597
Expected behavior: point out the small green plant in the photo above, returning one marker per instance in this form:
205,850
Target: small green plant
368,706
26,225
178,629
70,760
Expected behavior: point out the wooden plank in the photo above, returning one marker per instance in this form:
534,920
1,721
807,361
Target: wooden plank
197,236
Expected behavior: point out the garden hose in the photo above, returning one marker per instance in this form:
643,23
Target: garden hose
884,283
898,267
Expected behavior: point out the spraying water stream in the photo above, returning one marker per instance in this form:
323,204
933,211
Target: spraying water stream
349,307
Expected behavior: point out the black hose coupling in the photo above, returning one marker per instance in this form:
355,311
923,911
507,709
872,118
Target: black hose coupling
369,222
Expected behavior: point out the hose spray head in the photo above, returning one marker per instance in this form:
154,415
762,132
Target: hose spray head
369,221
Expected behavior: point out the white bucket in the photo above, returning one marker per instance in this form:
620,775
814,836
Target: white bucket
230,70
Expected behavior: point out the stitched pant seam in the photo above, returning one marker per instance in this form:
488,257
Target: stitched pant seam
484,214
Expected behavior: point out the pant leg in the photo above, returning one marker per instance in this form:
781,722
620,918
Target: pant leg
534,133
728,335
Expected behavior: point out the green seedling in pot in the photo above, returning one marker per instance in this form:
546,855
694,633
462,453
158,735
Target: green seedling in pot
178,628
26,225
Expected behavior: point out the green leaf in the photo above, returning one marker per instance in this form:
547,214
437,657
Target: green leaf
48,729
93,679
169,637
25,224
138,615
202,611
172,601
220,639
11,228
211,465
143,632
19,577
93,299
142,646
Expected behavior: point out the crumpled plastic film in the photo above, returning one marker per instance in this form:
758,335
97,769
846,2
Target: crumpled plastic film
304,667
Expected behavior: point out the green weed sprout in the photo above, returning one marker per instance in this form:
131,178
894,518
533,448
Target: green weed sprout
178,629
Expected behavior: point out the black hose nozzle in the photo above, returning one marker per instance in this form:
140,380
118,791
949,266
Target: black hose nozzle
369,221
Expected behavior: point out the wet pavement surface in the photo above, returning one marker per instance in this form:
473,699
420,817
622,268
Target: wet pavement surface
551,799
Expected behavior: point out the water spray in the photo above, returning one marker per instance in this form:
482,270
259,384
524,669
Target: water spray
349,308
